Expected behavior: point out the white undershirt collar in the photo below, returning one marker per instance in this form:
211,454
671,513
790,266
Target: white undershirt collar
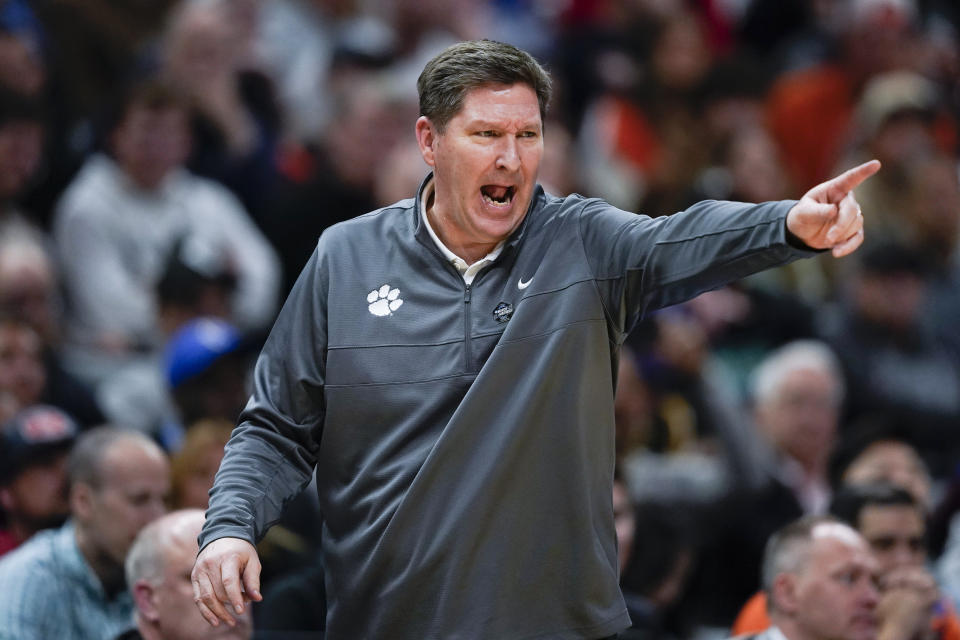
468,272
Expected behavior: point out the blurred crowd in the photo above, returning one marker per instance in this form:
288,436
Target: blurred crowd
166,167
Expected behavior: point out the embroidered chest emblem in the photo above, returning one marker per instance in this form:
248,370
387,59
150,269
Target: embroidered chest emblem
503,312
384,301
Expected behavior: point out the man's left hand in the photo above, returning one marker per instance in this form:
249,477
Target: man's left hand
828,216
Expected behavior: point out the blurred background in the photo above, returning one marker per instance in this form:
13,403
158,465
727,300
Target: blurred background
166,168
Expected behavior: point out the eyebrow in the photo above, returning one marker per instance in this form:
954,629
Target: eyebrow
485,124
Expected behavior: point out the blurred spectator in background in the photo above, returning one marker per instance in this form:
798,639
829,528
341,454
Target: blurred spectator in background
197,282
819,576
657,554
193,467
206,55
811,109
30,316
21,152
158,575
894,362
878,451
69,583
87,49
302,42
798,392
118,221
22,68
34,446
897,121
206,364
199,375
341,181
893,524
22,377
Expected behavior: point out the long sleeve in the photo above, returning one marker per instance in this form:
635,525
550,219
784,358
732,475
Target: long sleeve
272,453
642,264
106,293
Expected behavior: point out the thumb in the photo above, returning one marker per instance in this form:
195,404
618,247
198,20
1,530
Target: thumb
251,579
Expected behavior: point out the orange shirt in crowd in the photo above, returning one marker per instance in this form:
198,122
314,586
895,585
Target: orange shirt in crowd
753,618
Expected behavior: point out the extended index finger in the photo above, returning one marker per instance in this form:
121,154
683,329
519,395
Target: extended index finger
839,187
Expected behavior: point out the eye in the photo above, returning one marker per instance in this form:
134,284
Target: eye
487,134
527,134
882,544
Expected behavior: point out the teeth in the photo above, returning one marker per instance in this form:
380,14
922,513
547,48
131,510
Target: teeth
500,203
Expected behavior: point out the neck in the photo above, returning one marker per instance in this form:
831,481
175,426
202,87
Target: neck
470,253
107,570
148,630
789,627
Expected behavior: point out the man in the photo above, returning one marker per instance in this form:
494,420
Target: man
820,579
30,362
122,216
797,395
891,520
158,575
447,366
893,523
68,583
34,446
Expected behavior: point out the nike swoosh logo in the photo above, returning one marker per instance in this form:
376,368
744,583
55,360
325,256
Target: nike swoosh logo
523,285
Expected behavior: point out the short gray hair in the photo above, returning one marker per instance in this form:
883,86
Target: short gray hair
86,459
788,550
445,80
768,377
147,555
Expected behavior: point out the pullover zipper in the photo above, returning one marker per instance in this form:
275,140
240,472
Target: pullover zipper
467,329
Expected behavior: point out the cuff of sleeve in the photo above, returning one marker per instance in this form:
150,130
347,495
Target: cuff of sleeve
206,537
793,241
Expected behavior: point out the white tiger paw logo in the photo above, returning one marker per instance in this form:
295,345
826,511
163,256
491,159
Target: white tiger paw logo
384,301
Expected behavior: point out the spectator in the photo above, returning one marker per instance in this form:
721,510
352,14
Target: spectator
33,473
193,467
894,363
197,283
892,522
158,575
879,455
897,120
22,377
30,303
120,219
819,576
236,122
21,152
344,172
797,393
68,583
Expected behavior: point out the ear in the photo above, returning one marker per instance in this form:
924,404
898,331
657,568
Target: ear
81,501
427,137
784,593
6,499
143,598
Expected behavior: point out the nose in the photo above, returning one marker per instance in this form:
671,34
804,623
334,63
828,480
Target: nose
508,155
869,594
903,556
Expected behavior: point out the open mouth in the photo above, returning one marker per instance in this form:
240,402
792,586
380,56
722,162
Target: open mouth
498,195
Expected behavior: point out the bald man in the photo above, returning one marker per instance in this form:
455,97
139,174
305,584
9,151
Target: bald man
158,574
